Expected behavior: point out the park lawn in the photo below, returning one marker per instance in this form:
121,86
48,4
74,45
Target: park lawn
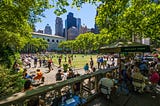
79,60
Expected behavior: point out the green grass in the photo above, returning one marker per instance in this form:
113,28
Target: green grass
78,62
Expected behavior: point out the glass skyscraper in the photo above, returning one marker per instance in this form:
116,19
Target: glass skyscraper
71,21
78,24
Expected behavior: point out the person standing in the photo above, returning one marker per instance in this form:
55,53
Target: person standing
91,63
35,62
40,62
101,62
69,61
65,58
50,64
98,62
59,60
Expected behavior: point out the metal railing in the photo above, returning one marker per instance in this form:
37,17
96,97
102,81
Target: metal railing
88,89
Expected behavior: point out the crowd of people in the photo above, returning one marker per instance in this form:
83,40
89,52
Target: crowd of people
137,75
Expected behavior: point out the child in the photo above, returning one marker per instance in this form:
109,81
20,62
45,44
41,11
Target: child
86,68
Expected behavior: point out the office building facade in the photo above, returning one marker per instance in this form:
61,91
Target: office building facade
71,21
72,33
59,26
48,30
52,40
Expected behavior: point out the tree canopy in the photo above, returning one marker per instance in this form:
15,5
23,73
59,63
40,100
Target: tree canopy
16,24
122,19
125,18
116,18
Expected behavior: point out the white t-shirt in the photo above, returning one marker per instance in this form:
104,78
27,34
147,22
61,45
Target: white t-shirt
108,83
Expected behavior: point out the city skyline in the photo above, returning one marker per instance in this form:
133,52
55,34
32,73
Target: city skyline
87,14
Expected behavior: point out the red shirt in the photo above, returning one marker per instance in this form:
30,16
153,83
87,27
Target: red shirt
154,77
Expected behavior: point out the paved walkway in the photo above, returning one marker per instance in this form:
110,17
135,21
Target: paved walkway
50,76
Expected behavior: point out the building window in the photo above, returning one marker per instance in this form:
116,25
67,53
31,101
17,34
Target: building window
48,40
57,41
52,40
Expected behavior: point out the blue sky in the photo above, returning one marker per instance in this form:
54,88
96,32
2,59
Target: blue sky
87,14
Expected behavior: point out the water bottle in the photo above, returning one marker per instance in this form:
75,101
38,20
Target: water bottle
70,93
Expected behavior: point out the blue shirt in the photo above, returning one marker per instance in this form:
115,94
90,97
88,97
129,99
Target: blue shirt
86,67
143,66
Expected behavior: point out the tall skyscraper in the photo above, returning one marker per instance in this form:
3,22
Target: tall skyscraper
48,29
70,22
59,26
78,24
96,29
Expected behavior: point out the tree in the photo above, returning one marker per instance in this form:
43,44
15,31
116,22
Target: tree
87,42
124,19
35,45
142,19
17,20
108,17
16,24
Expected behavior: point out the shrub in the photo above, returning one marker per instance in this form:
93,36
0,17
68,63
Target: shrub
9,82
